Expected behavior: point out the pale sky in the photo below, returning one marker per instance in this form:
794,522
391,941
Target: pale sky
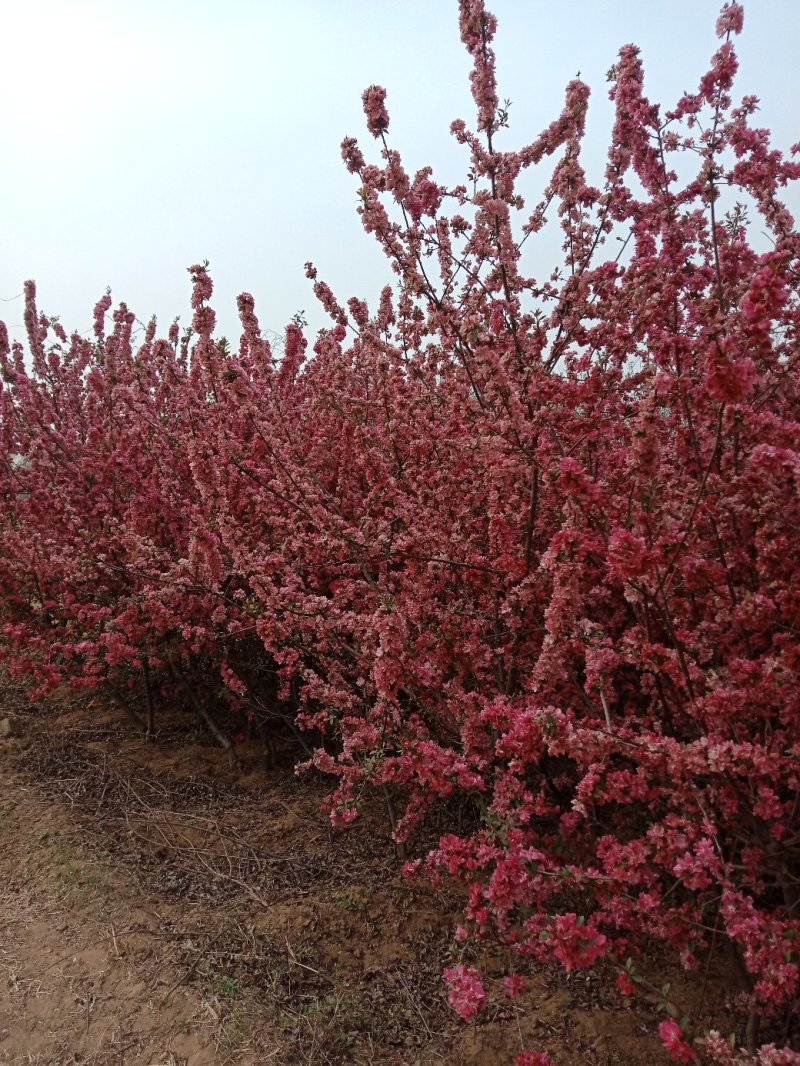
141,136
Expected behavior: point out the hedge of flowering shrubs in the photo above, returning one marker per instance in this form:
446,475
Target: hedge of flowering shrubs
524,549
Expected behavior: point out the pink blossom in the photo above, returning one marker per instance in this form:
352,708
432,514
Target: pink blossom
731,19
478,27
375,109
466,993
514,985
728,380
628,554
672,1037
100,310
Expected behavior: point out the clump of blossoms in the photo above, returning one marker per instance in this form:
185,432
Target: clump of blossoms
524,541
466,993
722,1053
674,1042
534,1058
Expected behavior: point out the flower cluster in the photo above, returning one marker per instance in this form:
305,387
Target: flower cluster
676,1046
466,993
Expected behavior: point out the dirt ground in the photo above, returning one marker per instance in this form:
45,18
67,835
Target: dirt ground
158,908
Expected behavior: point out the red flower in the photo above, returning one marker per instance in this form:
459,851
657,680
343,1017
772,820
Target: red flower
672,1037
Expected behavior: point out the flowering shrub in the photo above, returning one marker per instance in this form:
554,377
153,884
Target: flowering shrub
528,545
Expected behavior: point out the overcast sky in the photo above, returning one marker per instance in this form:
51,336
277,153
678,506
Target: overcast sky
141,136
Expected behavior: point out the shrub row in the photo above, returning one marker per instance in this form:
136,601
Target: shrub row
525,547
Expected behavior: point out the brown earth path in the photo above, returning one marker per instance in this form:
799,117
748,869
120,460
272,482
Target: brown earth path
156,909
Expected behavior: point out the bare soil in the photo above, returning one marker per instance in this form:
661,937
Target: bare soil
158,908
